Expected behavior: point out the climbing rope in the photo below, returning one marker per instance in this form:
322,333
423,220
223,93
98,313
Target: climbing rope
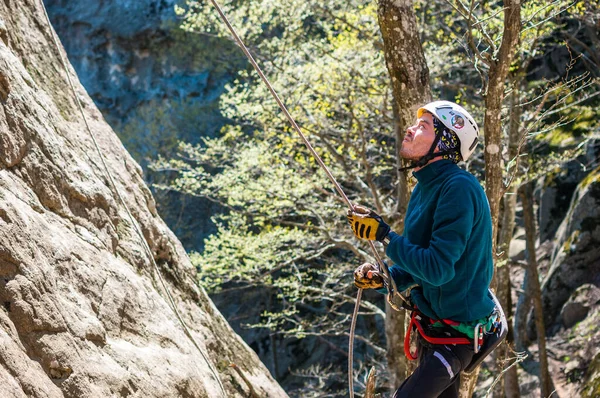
131,218
391,285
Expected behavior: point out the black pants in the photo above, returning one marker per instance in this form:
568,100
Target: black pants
438,373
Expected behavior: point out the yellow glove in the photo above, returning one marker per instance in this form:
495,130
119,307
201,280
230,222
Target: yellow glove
366,224
367,277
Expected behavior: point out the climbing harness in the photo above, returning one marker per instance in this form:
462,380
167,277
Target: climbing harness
133,221
484,340
388,280
415,322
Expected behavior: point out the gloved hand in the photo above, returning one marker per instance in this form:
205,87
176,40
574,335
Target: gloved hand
367,277
366,224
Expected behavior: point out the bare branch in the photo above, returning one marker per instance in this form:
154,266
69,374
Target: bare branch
468,15
519,358
546,19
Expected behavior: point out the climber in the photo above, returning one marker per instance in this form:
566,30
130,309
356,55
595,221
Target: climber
445,250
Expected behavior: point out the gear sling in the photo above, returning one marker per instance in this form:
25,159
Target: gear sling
484,342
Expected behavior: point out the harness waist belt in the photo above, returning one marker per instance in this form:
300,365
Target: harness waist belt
414,322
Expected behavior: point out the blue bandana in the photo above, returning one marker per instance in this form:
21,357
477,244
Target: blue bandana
448,141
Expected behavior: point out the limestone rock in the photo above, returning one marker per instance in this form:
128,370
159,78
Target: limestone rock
516,251
576,255
556,188
579,304
592,383
112,42
83,312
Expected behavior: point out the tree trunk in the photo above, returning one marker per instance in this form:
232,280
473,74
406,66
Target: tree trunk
403,191
521,313
404,58
398,366
511,388
526,194
498,72
409,75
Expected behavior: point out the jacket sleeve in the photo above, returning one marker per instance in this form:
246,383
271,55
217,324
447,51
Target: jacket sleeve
403,279
452,225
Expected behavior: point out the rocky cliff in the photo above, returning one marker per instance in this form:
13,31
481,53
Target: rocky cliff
83,313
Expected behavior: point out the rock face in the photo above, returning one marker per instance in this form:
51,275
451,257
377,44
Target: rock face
579,304
555,195
592,385
576,256
556,189
128,52
83,313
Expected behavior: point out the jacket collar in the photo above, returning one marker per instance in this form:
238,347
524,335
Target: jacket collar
432,170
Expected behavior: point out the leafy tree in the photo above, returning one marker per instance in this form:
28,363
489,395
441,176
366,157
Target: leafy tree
409,75
284,228
538,111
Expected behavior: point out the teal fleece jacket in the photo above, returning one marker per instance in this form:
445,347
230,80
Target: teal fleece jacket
446,247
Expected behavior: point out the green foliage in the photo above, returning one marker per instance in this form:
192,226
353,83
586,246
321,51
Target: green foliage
155,128
283,228
461,43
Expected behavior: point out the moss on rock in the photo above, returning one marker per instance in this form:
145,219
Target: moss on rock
591,387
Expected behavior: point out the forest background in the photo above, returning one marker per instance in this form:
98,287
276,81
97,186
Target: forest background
260,220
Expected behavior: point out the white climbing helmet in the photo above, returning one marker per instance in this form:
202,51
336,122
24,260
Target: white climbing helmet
457,119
